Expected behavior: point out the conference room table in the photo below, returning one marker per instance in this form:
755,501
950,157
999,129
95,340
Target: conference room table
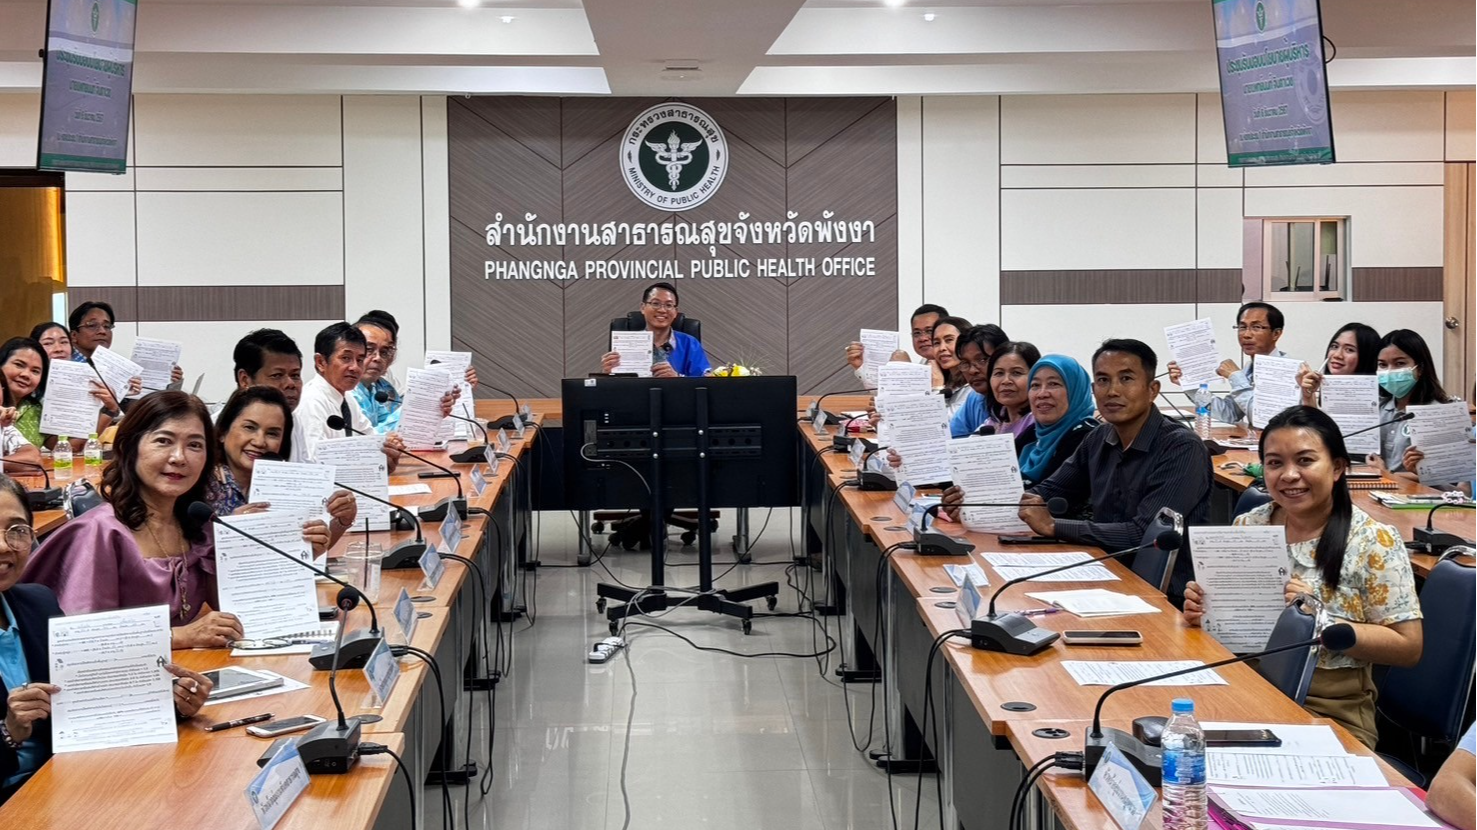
200,781
981,708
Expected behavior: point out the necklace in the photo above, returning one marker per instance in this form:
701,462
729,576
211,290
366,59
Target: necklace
181,581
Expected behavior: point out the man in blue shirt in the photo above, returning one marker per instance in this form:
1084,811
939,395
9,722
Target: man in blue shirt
381,347
1451,796
673,354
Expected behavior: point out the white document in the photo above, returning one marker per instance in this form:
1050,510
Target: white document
69,408
420,407
1016,565
299,489
456,364
115,691
410,490
1256,769
1113,672
269,594
1242,571
1192,346
1440,430
1276,382
898,378
918,429
986,468
634,347
877,349
1353,402
116,370
1297,739
1095,602
360,462
158,359
1388,808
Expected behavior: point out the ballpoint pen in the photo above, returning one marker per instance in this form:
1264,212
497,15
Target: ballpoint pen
232,724
1040,612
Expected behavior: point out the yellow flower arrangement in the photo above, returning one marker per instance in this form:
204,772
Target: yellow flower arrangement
735,370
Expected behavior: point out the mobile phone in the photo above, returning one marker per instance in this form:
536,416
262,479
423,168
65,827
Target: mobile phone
1027,540
276,728
1241,737
1102,638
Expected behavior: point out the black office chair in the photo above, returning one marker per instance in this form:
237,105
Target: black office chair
1292,671
629,529
1429,700
1152,565
1250,499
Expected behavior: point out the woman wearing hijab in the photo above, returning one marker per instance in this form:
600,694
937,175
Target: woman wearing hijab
1060,394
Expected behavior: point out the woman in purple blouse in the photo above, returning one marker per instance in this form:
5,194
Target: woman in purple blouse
146,550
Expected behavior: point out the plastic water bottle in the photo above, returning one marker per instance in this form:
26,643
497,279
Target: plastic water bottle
92,453
61,458
1184,770
1202,411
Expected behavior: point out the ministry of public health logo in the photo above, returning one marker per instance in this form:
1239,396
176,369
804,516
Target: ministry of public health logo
1261,17
674,157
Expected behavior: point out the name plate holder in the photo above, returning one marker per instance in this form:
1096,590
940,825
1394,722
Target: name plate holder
1123,790
382,671
277,786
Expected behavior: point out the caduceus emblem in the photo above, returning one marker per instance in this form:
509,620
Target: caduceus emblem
675,154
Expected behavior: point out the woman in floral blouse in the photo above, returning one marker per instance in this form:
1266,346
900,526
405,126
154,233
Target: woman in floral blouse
1358,567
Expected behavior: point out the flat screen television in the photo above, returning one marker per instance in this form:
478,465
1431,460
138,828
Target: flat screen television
87,85
1274,90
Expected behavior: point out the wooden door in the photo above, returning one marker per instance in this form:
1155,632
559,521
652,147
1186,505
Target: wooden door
1458,292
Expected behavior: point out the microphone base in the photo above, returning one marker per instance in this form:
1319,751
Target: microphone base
1146,759
437,511
327,749
471,455
403,556
873,480
50,498
934,543
1011,634
841,442
352,654
1436,541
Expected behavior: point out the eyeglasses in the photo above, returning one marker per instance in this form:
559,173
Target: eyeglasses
387,353
1254,328
654,306
19,538
96,327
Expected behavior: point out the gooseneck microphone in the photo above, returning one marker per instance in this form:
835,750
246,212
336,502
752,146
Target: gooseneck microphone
385,397
333,747
838,441
1015,633
932,542
357,646
472,455
1142,748
405,554
1437,541
1403,416
47,498
436,512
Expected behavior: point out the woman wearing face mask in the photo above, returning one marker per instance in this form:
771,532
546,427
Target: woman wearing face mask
1061,403
1007,400
1352,351
1407,375
144,548
1356,566
257,423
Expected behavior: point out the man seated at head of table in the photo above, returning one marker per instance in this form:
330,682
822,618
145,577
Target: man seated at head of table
142,547
1126,470
381,338
673,353
1453,793
1357,567
256,423
338,357
56,344
25,673
92,326
921,324
1258,328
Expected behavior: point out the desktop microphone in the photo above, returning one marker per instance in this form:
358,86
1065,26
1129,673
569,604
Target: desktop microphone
1014,633
931,542
331,747
437,511
405,554
385,397
472,455
47,498
355,650
506,421
839,441
1437,541
1142,747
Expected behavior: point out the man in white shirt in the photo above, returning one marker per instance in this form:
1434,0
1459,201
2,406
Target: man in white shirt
1258,328
925,317
338,357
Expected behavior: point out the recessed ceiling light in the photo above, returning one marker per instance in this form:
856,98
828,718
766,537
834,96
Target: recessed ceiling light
469,4
507,18
928,17
894,3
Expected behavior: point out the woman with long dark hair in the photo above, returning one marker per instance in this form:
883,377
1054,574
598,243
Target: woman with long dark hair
1352,351
946,334
146,549
1356,566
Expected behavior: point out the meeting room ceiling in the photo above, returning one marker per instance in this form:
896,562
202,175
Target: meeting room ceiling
693,48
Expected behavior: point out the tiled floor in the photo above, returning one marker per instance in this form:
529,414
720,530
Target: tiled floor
716,741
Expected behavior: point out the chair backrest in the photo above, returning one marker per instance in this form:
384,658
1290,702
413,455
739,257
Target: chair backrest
1155,566
1430,698
1250,499
1292,671
633,321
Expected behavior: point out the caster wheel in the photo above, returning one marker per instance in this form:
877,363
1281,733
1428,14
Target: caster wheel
600,605
771,602
597,527
748,626
614,628
688,538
